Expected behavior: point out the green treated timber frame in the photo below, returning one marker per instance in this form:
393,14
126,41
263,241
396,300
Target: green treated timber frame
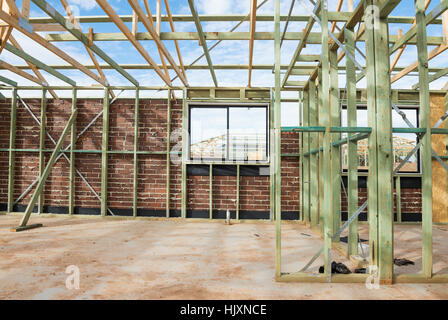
104,154
49,166
425,122
8,81
42,135
135,173
11,158
71,200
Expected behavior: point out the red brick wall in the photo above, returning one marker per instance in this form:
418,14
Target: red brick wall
254,191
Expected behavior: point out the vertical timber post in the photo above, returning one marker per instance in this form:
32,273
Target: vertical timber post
306,159
210,192
71,200
320,157
398,197
425,122
326,121
335,113
135,177
12,145
314,158
352,146
277,136
104,156
168,156
184,154
43,130
237,193
381,162
301,138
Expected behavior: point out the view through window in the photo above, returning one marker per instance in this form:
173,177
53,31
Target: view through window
228,133
403,143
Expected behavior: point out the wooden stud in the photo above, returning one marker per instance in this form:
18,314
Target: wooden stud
314,161
425,122
352,177
91,35
158,17
372,180
237,208
398,197
134,23
326,173
184,154
11,158
136,133
42,135
104,149
210,192
168,157
335,166
277,135
382,129
71,200
305,179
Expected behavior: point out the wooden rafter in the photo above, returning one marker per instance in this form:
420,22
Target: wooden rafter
14,22
48,9
144,19
197,22
38,63
430,17
162,59
71,16
432,54
36,71
7,66
121,25
400,35
338,9
302,44
7,30
252,23
170,19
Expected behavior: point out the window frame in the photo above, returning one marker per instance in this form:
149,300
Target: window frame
227,106
401,107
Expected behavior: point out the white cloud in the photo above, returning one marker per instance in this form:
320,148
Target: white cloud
84,4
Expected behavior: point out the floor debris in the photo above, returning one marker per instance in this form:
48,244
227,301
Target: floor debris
336,267
345,239
402,262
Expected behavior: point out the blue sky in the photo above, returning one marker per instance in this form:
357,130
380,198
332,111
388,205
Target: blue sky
228,52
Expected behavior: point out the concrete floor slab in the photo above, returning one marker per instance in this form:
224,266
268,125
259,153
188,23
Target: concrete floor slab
142,259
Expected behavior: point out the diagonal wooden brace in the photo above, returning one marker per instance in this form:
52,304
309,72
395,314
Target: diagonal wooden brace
46,173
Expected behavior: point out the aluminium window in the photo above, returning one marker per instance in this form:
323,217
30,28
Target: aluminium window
228,133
